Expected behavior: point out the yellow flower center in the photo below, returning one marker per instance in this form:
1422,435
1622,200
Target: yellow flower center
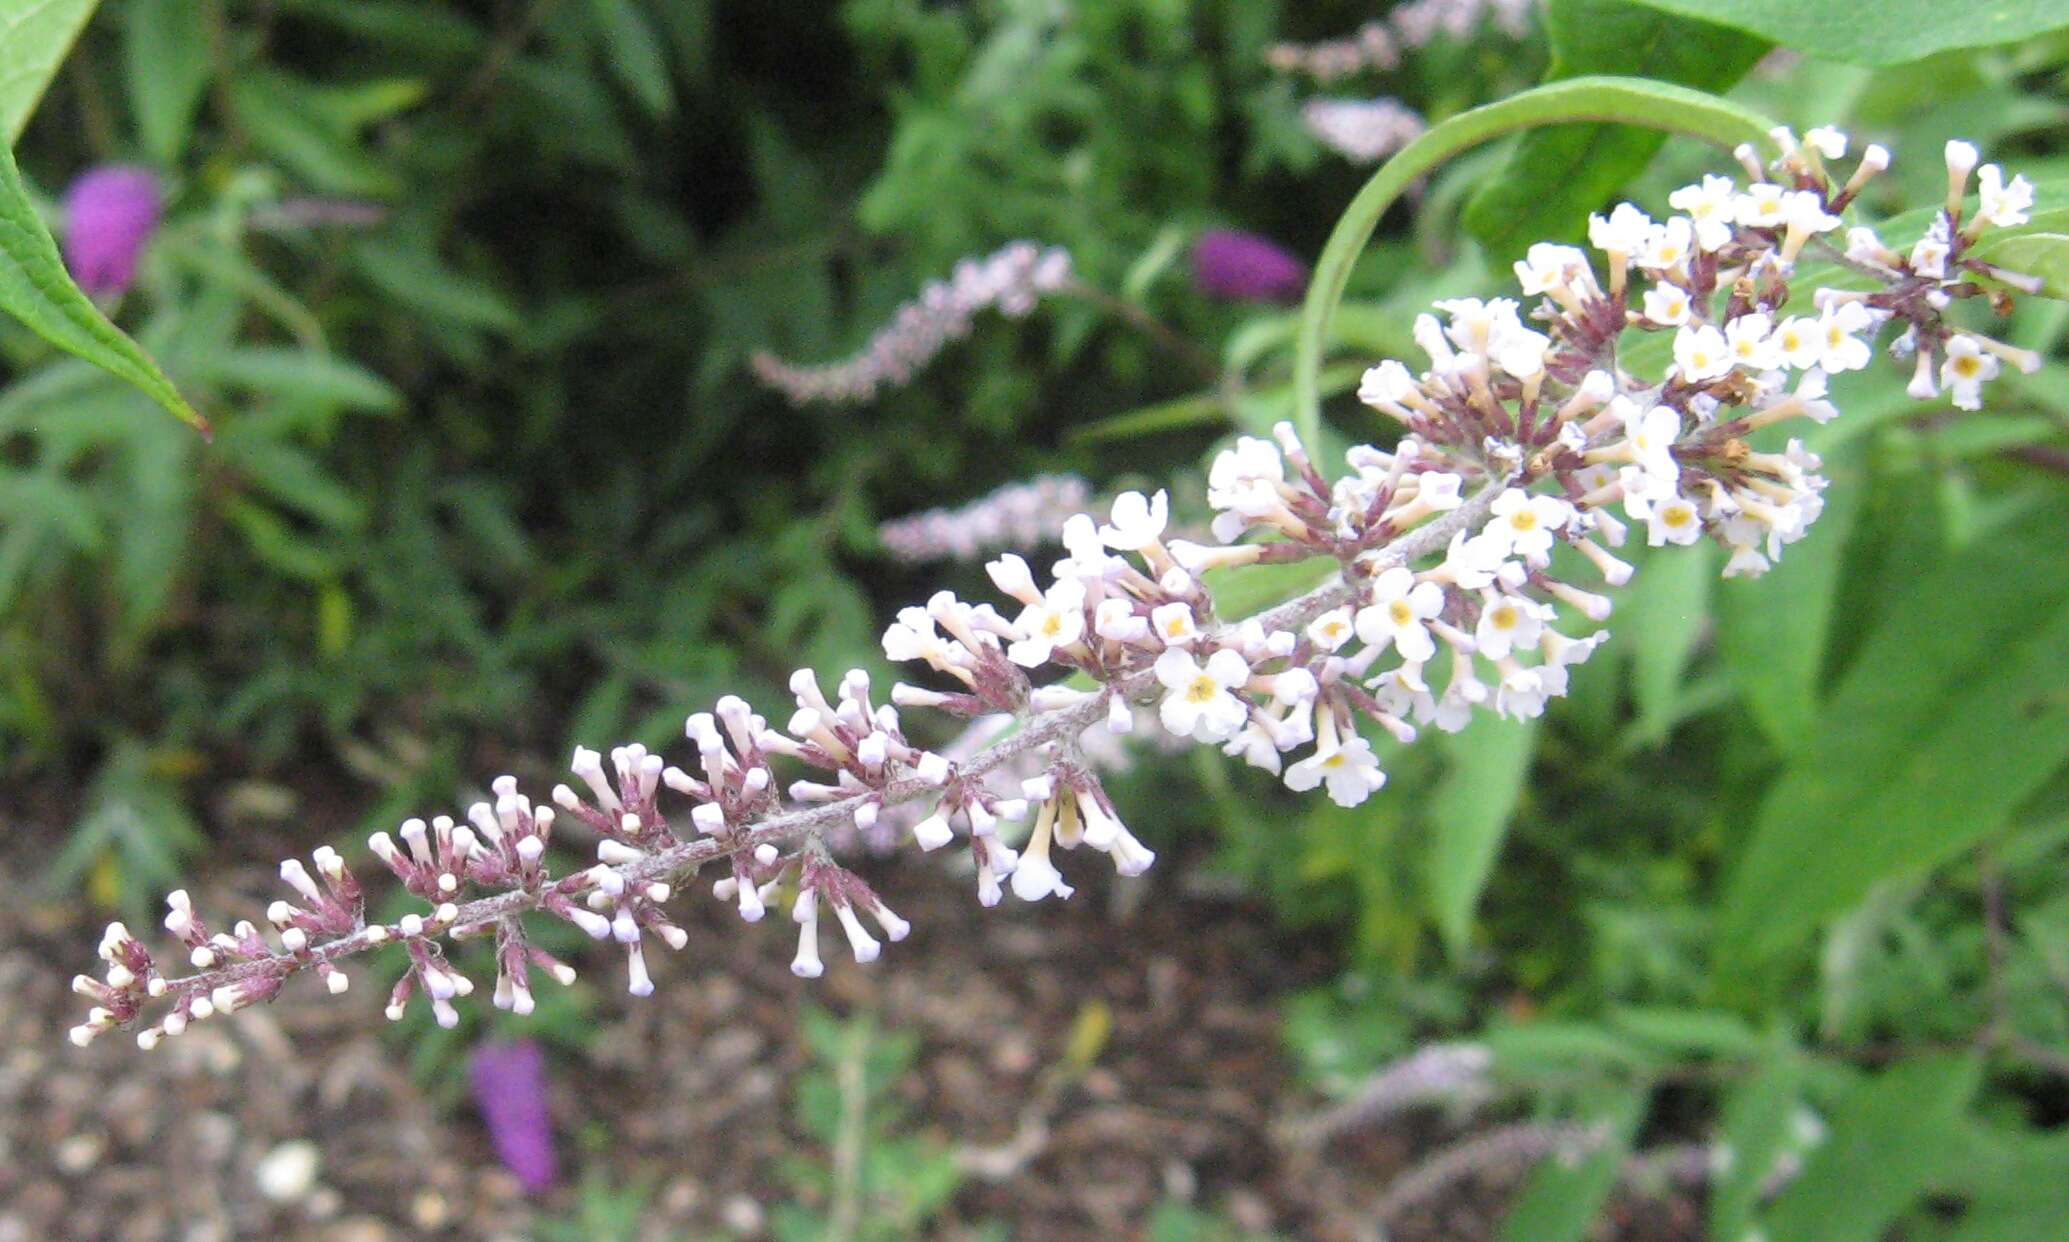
1677,516
1334,761
1503,618
1175,626
1523,519
1968,366
1203,689
1400,612
1052,625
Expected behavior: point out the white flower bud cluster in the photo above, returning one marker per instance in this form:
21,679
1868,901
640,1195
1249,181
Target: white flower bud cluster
1458,552
1363,131
1020,516
1011,280
1379,44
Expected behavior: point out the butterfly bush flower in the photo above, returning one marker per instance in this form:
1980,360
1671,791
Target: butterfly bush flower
508,1081
1469,567
1243,267
1380,44
110,213
1011,280
1363,131
1019,515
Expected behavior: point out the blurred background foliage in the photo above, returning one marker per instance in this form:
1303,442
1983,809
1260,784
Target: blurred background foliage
467,289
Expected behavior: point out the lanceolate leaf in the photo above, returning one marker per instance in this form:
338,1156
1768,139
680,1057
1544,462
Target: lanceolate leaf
1955,710
1879,32
1633,101
1469,815
2045,255
1557,175
35,289
34,37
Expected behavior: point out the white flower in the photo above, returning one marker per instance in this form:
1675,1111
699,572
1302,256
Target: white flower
1546,267
1749,338
1527,521
1668,244
1710,206
1826,141
1929,257
1397,614
1245,479
1349,768
1388,384
1475,562
1624,231
1476,325
1961,160
1805,211
1700,354
1011,575
1797,341
1508,623
1965,370
1198,703
1138,521
1764,205
1116,619
1057,620
1651,433
1521,352
2002,205
1838,348
1667,305
1672,520
1173,624
1331,630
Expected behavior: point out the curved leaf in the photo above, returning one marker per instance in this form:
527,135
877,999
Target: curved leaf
1888,32
1633,101
34,37
36,289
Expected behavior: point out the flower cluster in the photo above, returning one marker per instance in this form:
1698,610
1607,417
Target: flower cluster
1468,557
1363,131
1018,515
1379,44
1012,280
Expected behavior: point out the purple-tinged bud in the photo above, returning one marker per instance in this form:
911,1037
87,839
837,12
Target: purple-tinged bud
509,1083
1243,267
110,212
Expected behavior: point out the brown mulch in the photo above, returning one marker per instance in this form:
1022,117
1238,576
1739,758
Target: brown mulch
690,1088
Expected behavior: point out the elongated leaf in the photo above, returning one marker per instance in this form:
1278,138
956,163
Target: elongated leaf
1470,814
1892,1137
165,50
1773,631
1955,710
1557,175
34,37
2045,255
1886,32
1564,1196
634,52
1665,611
35,288
1633,101
299,375
1757,1114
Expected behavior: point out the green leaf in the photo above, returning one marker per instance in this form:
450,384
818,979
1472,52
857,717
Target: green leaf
298,375
1665,611
35,289
1559,174
1469,814
297,123
165,50
1892,1137
1562,1197
1956,709
634,53
1755,1125
34,37
1633,101
1773,631
2045,255
1888,32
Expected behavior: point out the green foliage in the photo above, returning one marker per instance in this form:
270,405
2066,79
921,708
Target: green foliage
1555,176
876,1182
34,37
1892,32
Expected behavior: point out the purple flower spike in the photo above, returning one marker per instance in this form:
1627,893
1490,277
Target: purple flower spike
509,1082
1243,267
110,213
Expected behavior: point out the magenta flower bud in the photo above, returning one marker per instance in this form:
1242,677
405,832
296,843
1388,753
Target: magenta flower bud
1243,267
110,213
509,1082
